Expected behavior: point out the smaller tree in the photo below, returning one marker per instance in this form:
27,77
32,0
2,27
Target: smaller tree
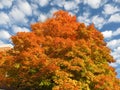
58,54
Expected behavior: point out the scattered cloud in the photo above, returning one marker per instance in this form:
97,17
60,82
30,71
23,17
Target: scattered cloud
25,7
4,34
5,3
114,18
95,4
19,29
17,16
70,5
110,9
57,2
84,18
98,21
4,18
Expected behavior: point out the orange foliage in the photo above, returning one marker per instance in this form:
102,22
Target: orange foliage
58,54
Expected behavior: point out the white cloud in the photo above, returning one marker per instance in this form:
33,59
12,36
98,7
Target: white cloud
20,29
110,9
117,32
70,5
43,3
95,4
57,2
84,18
113,44
98,21
114,18
17,16
42,17
35,10
4,34
110,33
25,7
4,18
107,34
5,3
118,1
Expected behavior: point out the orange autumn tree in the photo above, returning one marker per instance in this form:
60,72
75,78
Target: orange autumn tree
58,54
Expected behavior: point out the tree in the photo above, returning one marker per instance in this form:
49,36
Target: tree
58,54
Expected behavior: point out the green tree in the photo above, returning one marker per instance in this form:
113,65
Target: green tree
58,54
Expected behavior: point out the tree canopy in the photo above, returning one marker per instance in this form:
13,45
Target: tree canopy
58,54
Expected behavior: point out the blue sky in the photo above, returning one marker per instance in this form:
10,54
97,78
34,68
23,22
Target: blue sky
17,15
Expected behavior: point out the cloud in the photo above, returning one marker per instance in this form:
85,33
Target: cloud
95,4
114,18
17,16
84,18
70,5
107,34
118,1
43,3
116,54
52,11
57,2
113,43
4,18
19,29
110,33
4,34
98,21
5,3
110,9
25,7
117,32
42,17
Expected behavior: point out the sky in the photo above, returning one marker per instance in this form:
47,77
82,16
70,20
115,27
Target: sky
17,15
